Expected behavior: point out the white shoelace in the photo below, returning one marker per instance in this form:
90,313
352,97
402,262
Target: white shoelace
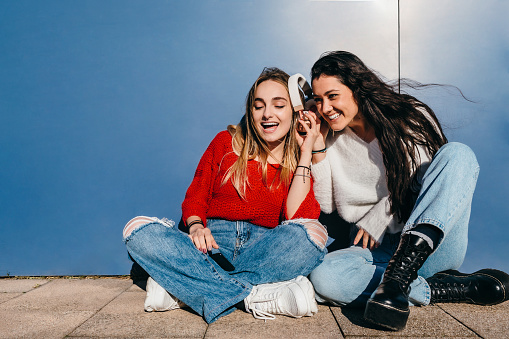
268,302
259,314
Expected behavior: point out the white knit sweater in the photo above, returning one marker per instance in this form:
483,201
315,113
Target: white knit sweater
352,180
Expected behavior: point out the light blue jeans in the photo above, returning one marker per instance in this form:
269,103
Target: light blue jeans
350,276
260,255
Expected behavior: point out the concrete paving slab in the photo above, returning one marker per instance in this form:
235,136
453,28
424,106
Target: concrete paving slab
106,307
39,323
124,317
69,295
136,288
8,296
20,285
240,324
429,321
486,321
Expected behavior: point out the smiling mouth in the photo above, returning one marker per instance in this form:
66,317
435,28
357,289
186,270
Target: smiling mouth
269,126
333,116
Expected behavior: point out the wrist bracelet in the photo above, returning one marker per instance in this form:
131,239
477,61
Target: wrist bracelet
306,167
304,176
194,222
323,150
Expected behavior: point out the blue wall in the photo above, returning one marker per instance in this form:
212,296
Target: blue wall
107,106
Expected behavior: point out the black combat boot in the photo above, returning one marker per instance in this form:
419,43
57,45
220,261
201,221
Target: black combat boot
484,287
389,305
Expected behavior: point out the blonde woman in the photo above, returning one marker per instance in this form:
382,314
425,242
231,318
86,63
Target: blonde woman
251,216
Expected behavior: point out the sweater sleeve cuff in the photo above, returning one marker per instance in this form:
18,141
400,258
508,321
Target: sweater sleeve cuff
321,170
375,222
202,216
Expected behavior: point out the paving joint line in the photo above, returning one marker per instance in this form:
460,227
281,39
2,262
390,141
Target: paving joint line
461,322
99,310
23,293
337,322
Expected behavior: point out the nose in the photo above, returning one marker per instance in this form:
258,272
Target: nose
326,107
268,112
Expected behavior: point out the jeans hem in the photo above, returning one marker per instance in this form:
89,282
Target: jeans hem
214,314
424,220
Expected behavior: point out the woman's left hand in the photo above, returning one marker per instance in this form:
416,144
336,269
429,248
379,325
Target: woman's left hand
366,239
307,124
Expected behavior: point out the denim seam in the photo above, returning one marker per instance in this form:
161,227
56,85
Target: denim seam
437,223
472,184
227,302
243,235
427,293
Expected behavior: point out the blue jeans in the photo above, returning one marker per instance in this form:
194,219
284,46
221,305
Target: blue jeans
350,276
260,255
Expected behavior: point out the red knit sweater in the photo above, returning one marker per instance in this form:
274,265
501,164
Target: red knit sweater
207,198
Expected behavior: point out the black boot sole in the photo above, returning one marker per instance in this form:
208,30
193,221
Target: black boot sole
386,316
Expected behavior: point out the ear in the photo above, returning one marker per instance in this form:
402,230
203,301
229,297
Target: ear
297,84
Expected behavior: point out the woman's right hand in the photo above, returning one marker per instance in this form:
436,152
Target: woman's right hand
323,127
202,238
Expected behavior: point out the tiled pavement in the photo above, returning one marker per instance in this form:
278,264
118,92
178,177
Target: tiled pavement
112,307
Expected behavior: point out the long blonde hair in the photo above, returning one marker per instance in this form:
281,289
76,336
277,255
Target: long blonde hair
248,144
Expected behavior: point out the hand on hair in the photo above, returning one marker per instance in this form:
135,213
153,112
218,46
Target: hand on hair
202,238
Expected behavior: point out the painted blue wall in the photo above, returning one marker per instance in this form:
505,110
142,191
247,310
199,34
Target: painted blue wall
107,106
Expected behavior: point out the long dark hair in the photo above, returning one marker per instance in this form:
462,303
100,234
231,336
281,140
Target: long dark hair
397,118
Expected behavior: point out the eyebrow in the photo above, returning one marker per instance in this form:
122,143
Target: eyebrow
328,92
273,99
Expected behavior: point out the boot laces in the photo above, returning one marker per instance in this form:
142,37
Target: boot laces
404,269
446,292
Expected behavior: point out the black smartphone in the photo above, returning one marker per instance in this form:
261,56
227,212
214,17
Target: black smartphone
221,260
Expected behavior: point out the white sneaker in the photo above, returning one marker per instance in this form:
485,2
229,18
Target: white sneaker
158,299
293,298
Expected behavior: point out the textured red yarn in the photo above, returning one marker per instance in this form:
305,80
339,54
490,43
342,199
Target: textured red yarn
207,198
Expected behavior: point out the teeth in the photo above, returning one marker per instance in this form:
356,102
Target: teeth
269,124
334,116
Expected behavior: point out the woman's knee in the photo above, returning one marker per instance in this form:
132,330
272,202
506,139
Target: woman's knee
341,276
135,223
316,232
460,155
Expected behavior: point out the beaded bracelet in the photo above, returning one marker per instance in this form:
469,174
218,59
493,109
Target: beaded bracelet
323,150
194,222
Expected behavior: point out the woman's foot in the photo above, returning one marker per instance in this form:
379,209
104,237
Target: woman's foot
158,299
294,298
388,307
484,287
